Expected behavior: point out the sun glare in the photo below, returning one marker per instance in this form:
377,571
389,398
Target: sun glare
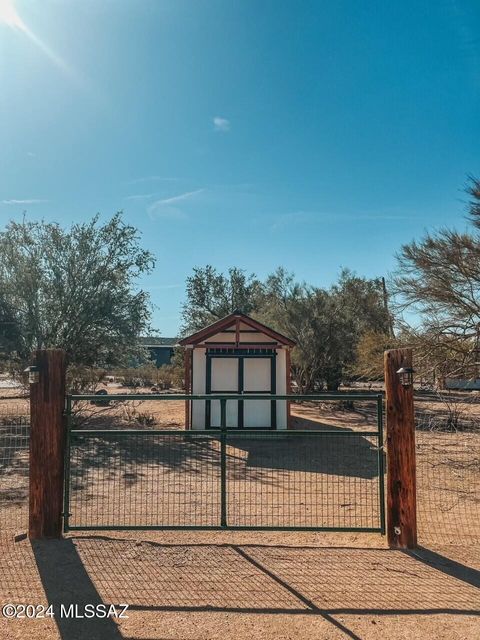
9,15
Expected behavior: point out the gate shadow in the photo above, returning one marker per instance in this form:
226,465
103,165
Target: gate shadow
344,454
67,581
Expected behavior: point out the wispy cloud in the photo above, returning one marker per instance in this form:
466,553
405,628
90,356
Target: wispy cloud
140,196
166,209
221,124
24,201
180,198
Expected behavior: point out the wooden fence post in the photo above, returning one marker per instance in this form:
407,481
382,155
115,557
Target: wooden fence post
47,444
401,480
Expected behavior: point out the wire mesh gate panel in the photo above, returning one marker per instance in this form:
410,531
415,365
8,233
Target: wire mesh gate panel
239,479
303,480
144,479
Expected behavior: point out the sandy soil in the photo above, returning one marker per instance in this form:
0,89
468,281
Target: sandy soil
197,586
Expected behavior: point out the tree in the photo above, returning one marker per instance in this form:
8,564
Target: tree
211,295
363,302
370,350
74,288
295,309
9,330
439,356
439,277
326,324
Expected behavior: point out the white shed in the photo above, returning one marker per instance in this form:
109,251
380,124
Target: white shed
238,355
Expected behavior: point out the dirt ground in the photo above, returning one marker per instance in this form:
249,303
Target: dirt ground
204,585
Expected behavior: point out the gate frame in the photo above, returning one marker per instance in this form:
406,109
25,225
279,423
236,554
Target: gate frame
222,432
49,406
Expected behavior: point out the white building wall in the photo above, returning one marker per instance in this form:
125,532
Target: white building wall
221,337
198,387
246,338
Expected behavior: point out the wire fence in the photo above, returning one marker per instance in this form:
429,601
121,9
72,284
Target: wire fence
265,480
14,466
448,469
448,487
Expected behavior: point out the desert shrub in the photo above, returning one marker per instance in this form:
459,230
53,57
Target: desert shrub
345,405
81,379
135,382
132,414
164,377
144,376
455,413
171,375
145,419
14,420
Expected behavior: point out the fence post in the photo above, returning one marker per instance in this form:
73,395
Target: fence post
47,442
401,480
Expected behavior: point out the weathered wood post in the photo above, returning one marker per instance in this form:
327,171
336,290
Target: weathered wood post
47,444
401,476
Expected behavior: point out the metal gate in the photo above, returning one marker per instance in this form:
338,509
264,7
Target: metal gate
319,479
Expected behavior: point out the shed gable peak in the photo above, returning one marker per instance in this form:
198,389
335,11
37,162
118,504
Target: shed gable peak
233,320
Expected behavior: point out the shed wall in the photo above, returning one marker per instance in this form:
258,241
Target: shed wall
257,377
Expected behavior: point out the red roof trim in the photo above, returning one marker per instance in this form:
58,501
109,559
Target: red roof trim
224,323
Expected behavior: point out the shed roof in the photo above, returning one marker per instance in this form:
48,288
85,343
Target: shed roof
229,321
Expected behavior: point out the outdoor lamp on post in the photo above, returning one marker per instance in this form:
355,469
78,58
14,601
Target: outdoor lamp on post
406,376
33,374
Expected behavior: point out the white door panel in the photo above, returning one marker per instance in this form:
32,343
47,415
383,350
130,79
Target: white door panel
224,375
256,374
257,413
224,378
232,413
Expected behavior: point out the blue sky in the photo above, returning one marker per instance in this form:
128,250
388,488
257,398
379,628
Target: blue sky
312,135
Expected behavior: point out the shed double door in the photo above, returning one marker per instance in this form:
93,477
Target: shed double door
242,375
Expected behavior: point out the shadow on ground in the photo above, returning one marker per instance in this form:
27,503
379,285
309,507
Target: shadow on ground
226,578
340,453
